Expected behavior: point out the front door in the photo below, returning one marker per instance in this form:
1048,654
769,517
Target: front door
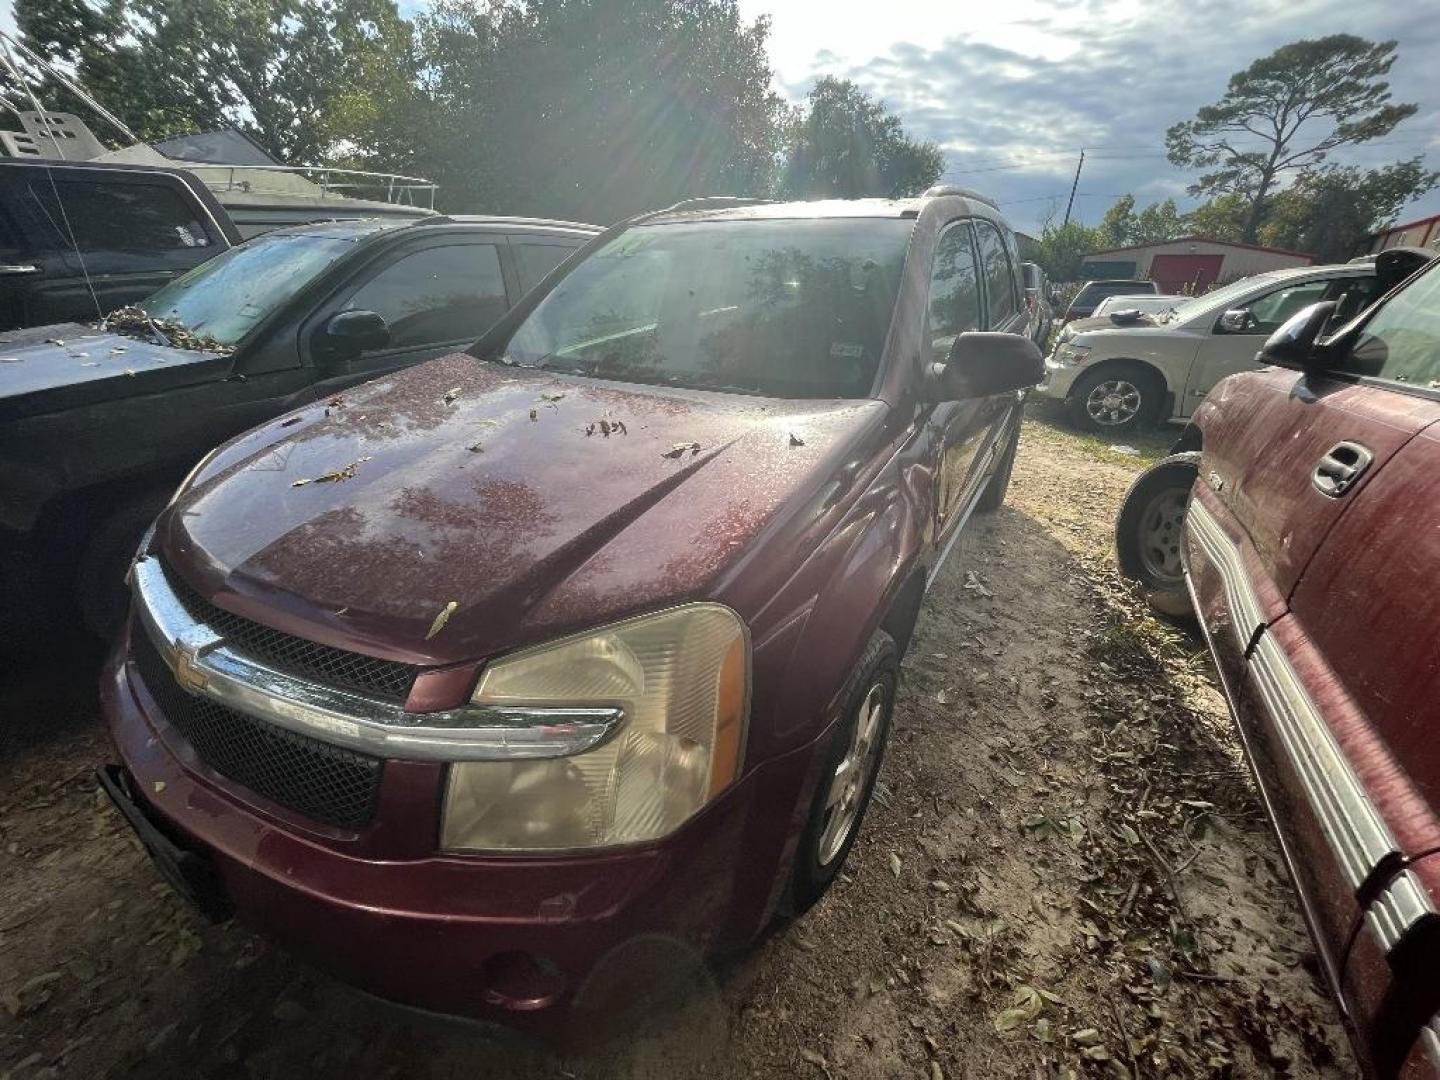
1224,352
436,296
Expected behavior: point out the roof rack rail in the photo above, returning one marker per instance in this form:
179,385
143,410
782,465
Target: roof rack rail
968,193
714,202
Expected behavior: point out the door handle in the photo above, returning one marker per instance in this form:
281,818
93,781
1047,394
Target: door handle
19,268
1340,468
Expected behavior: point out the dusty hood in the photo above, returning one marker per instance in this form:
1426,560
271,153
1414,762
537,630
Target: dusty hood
46,368
496,489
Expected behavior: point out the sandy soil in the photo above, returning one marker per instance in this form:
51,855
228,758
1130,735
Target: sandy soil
1065,873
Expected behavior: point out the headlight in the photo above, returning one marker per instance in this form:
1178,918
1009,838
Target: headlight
681,678
1071,354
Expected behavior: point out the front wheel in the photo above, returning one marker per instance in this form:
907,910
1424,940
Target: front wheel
1151,527
851,765
993,496
1116,399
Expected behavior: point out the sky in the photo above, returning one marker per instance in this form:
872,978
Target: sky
1011,90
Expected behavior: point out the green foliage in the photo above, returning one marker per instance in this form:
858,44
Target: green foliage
1222,218
1122,226
1330,211
1061,249
846,145
1283,115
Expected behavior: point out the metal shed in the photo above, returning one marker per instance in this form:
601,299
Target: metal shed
1190,264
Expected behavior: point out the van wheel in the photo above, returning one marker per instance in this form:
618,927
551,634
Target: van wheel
1151,528
851,764
1115,399
994,494
100,592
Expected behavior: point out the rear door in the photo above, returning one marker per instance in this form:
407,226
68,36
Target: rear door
1225,352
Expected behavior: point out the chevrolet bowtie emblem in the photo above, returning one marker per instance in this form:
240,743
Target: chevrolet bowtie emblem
187,673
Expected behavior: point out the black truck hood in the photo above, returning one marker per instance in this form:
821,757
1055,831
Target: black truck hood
47,368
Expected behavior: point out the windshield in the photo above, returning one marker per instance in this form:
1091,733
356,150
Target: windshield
790,308
225,297
1220,299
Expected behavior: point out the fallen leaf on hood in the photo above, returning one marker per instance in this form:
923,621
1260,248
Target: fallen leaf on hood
335,476
159,786
589,430
477,448
795,440
291,422
534,415
335,402
54,341
679,449
119,349
551,398
451,395
129,371
442,619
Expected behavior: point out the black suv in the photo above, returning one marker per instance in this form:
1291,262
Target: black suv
98,425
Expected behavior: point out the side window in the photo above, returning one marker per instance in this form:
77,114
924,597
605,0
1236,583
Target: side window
537,260
1269,312
1351,296
134,218
436,295
999,274
1401,342
954,290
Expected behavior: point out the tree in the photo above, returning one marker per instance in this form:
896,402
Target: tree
1122,226
1330,211
1118,224
1283,114
1222,218
846,145
273,68
1062,248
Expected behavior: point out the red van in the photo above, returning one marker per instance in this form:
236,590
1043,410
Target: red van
497,681
1310,550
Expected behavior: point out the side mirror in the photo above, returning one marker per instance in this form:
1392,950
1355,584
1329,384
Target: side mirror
1235,321
351,333
1293,345
983,363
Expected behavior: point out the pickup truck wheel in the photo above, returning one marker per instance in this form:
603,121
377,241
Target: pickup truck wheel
1115,399
851,765
994,494
100,591
1151,528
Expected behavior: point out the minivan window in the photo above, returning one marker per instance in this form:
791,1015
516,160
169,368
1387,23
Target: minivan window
1401,342
226,297
793,308
537,260
999,276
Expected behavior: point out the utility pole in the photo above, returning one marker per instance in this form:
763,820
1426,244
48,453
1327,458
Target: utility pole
1076,184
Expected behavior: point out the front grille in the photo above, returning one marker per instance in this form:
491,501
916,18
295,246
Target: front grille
323,782
385,680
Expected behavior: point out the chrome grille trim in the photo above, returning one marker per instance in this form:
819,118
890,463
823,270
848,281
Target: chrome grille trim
205,663
1401,904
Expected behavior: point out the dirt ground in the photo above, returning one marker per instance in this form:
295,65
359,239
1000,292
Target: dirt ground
1065,873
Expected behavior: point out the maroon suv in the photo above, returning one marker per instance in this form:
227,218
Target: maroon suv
492,681
1310,549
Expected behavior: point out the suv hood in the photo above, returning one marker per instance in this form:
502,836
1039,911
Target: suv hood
47,368
356,522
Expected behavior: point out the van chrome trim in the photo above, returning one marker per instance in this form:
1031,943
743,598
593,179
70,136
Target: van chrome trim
1401,904
1354,829
1221,550
1430,1035
204,664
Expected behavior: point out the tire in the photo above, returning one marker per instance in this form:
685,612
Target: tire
1150,528
1113,399
100,593
860,738
993,496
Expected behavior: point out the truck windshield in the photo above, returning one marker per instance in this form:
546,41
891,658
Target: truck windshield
225,297
783,308
1219,300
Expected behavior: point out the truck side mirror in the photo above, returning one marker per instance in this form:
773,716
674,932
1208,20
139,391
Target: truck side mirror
982,363
1235,321
350,333
1293,345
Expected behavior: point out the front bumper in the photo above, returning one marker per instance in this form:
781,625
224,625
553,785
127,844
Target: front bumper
526,941
1058,379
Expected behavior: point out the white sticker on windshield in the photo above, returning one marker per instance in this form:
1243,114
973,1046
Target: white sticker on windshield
847,350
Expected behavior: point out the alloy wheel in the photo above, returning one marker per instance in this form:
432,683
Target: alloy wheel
848,783
1161,527
1113,402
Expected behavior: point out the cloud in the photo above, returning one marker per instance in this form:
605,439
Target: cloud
1111,76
